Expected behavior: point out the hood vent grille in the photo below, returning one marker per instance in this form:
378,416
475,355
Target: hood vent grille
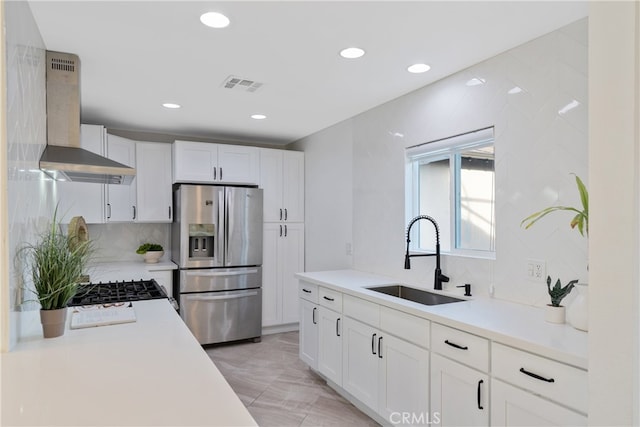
60,64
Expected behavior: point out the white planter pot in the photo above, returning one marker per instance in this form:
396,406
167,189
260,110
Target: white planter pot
555,314
577,314
152,257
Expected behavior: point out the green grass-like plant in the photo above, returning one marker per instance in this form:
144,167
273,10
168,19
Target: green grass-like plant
149,247
57,262
557,293
580,219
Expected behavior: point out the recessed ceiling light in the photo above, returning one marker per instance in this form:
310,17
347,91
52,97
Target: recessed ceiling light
476,81
514,90
214,20
258,116
171,105
418,68
351,52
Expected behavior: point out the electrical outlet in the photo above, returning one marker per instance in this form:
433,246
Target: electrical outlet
536,270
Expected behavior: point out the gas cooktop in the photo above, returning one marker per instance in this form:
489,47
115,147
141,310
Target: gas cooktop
114,292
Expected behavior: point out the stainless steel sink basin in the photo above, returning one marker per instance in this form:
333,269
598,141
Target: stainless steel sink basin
415,295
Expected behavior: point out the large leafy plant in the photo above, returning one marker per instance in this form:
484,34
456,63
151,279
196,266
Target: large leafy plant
57,262
580,219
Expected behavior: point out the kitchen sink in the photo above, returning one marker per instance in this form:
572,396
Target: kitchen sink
415,295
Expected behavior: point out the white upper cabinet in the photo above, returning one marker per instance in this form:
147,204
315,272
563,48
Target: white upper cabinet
207,163
83,198
153,182
282,179
121,199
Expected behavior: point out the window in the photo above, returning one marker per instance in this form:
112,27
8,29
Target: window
453,181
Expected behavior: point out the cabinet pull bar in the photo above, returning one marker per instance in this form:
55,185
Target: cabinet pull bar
215,173
373,343
380,347
134,212
479,395
313,315
285,230
285,214
458,346
108,210
306,291
338,327
328,298
169,212
536,376
280,230
280,214
220,173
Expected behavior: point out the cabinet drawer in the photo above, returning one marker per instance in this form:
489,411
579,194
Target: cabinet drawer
362,310
406,326
553,380
464,347
308,291
330,299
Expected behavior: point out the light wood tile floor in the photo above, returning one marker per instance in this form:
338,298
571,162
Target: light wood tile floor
280,390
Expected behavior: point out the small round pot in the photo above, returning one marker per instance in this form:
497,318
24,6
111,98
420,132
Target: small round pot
53,322
555,314
152,257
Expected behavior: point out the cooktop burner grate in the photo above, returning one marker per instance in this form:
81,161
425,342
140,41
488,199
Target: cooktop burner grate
113,292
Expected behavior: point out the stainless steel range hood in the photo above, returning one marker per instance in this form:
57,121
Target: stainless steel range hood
63,159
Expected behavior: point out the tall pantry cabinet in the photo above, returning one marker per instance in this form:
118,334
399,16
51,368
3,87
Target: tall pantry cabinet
282,181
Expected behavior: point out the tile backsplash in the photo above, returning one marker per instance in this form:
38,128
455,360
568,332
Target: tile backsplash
118,242
30,192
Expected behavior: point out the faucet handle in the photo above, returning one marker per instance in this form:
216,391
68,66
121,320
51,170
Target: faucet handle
444,278
467,289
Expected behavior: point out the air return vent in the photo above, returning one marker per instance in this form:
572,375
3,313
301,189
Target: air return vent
240,84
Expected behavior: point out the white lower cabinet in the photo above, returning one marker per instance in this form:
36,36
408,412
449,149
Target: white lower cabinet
459,394
330,344
283,256
511,406
360,356
308,349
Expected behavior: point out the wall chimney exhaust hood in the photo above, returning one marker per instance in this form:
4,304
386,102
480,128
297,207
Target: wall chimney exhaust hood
63,159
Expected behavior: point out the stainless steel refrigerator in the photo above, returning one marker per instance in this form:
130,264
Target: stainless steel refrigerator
217,244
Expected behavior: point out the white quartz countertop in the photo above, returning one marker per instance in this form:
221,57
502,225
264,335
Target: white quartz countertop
512,324
151,372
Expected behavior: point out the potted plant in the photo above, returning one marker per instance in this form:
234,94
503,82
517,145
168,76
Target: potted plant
555,312
577,314
56,261
151,252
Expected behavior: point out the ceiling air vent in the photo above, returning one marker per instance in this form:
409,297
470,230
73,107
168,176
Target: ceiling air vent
240,84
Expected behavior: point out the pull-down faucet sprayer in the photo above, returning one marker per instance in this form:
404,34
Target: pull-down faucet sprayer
438,276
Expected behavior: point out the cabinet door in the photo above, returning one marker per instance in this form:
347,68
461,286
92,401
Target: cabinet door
291,259
84,198
308,347
404,380
293,186
153,181
330,345
238,164
194,161
360,361
271,184
121,199
271,302
458,393
511,406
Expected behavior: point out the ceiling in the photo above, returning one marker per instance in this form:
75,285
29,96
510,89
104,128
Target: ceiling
136,55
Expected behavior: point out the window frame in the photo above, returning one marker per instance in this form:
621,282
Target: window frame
447,148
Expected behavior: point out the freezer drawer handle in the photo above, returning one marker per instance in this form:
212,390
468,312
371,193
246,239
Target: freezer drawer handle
221,273
221,297
536,376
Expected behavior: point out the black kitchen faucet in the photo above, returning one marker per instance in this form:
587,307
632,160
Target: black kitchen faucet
438,276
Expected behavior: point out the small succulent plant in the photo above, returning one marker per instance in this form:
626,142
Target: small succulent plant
557,293
146,247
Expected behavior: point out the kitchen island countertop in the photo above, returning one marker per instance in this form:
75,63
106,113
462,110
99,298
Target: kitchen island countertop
151,372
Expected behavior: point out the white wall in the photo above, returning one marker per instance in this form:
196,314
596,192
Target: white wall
536,150
30,201
614,171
